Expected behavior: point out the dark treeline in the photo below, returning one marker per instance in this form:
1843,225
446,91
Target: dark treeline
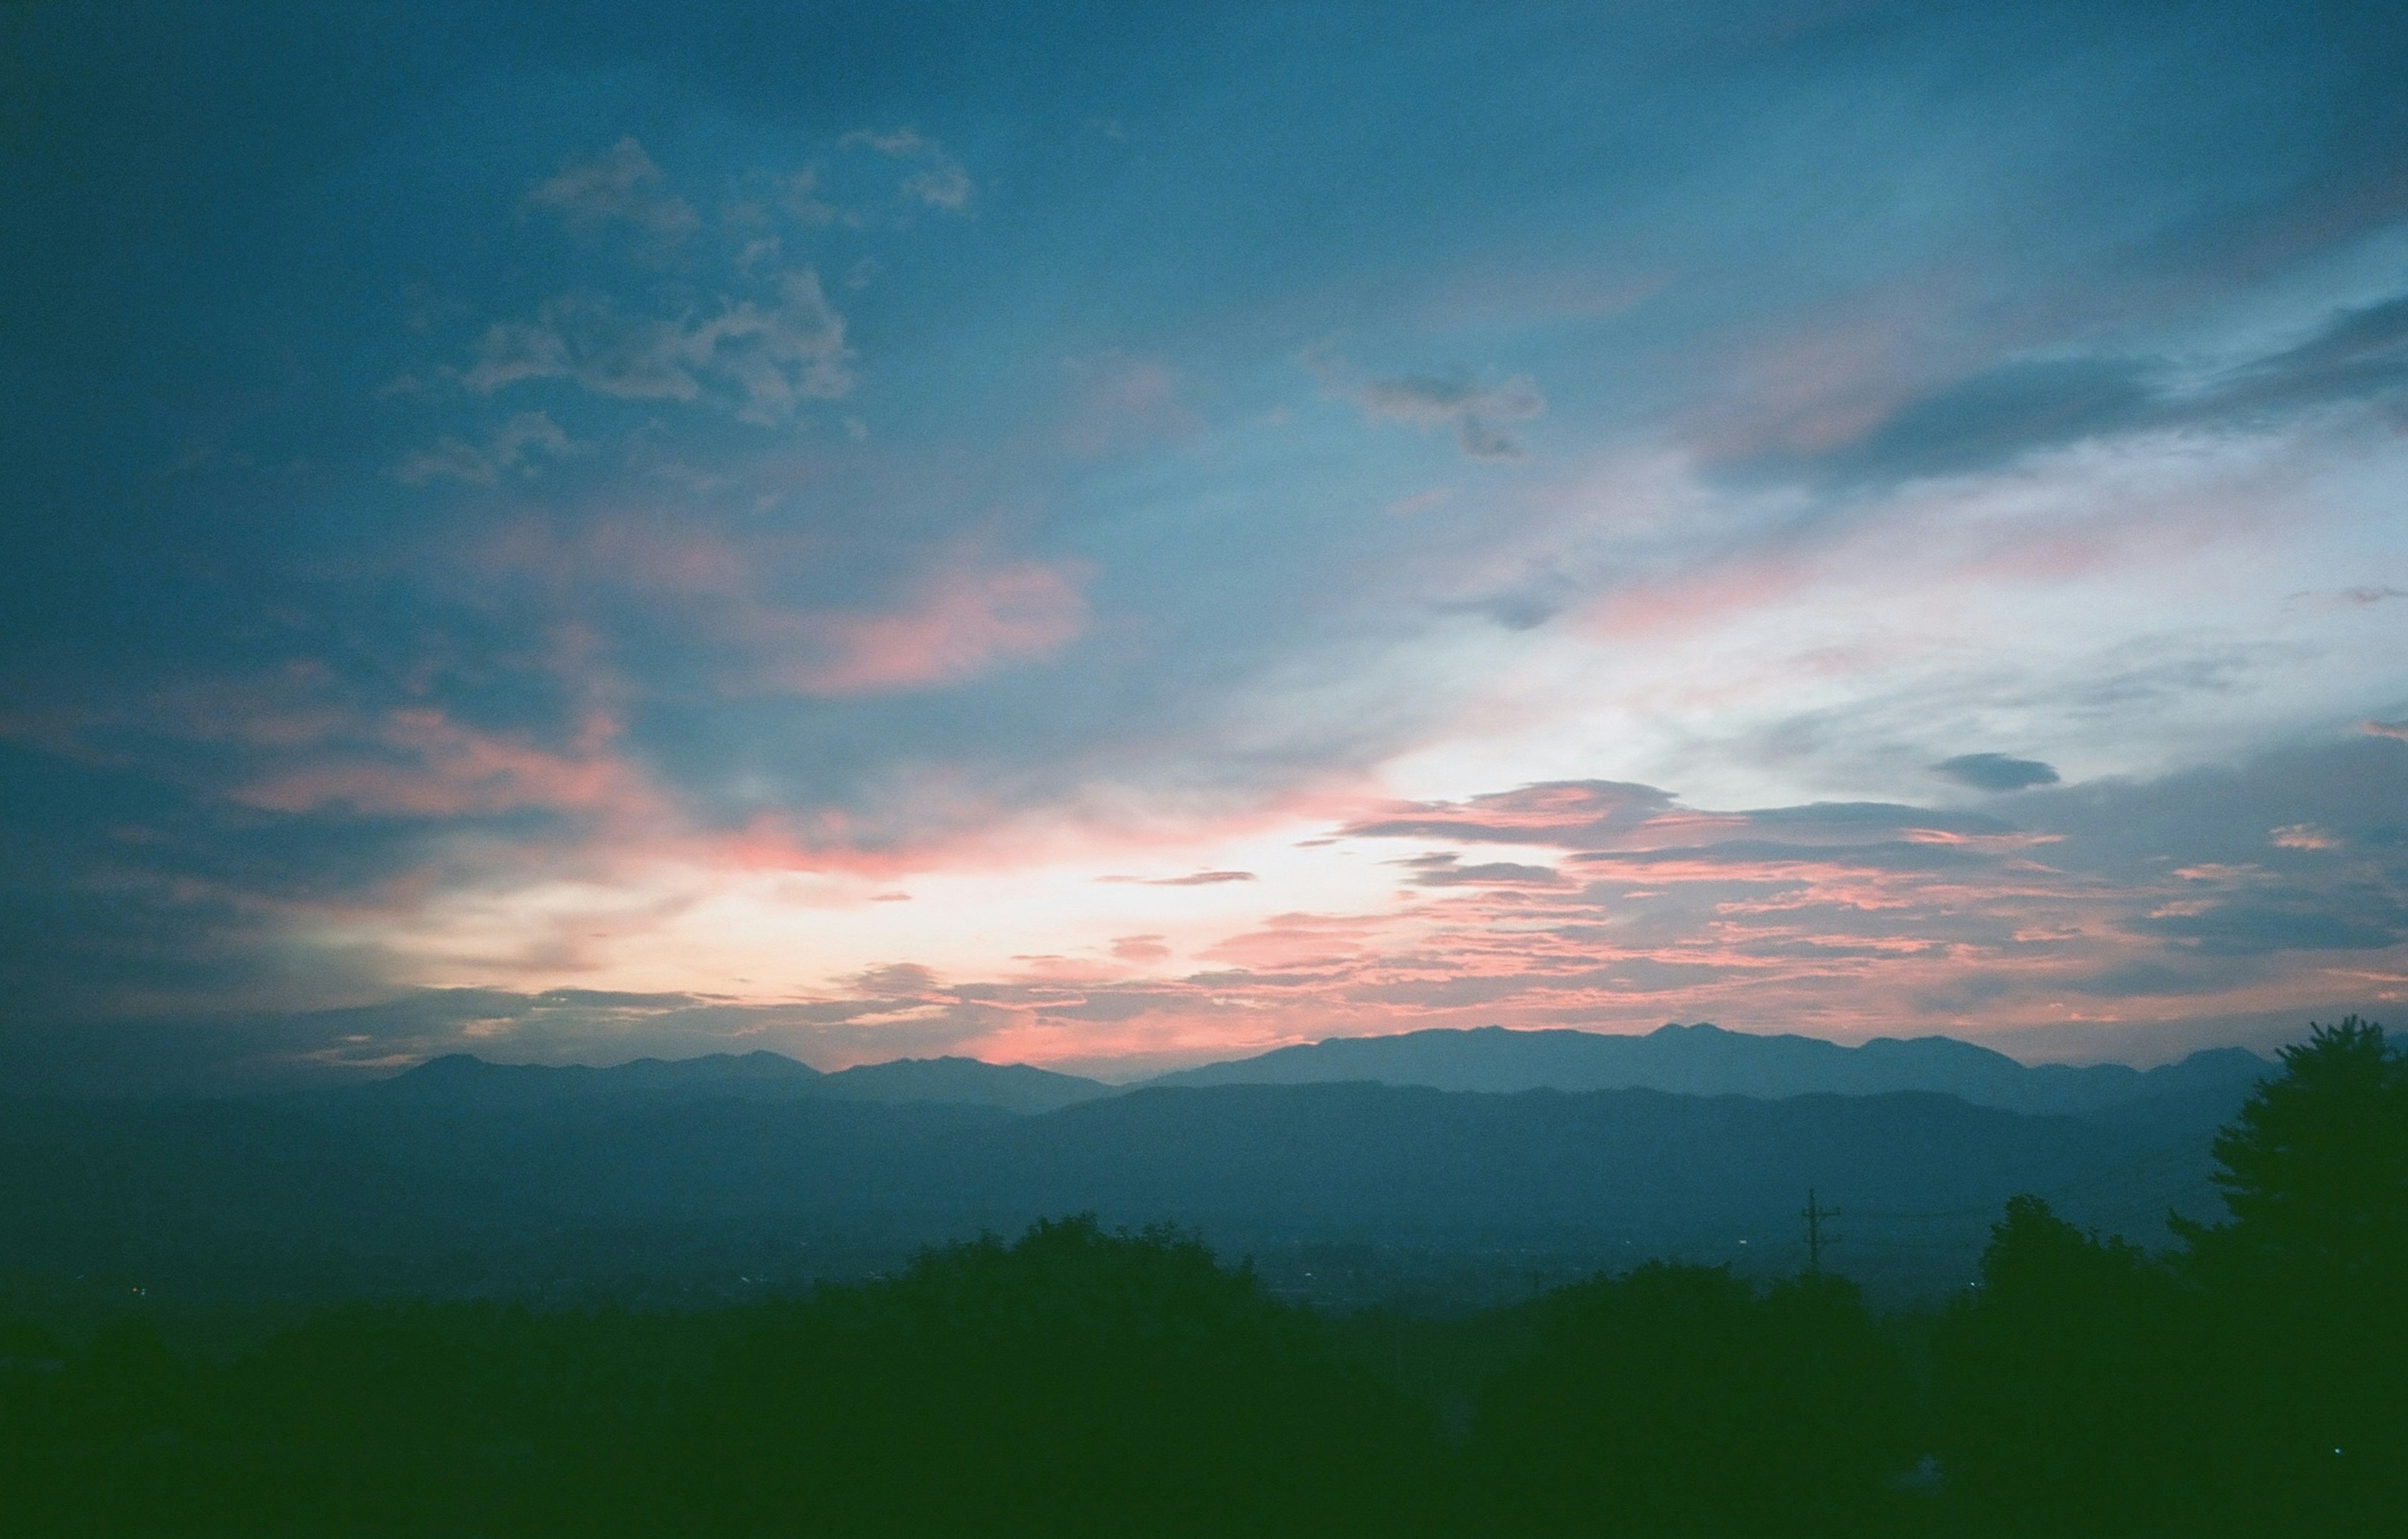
2252,1381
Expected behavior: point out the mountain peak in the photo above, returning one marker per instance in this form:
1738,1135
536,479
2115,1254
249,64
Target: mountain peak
757,1075
1704,1059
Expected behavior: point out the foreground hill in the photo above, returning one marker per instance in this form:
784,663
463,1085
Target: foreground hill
1706,1060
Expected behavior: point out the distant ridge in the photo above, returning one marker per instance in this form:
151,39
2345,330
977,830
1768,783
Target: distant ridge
1706,1060
1695,1060
464,1079
1012,1087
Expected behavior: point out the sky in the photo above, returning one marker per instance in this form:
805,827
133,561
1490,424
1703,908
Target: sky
1118,536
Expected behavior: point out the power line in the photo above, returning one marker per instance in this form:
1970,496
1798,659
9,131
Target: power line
1814,1214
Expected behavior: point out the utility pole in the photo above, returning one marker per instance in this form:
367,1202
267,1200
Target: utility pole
1815,1213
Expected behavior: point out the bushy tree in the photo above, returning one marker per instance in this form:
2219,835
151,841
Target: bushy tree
2309,1278
1076,1381
1676,1399
2257,1384
2314,1173
2060,1384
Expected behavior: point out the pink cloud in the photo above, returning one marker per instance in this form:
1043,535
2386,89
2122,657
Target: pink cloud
961,618
1829,379
1120,401
954,626
1299,940
1695,601
418,762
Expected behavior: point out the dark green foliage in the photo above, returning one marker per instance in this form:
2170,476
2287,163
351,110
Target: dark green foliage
2258,1383
2314,1172
2308,1275
1076,1380
1675,1398
2056,1381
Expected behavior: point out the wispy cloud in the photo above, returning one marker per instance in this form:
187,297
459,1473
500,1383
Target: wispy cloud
1477,413
939,181
511,447
421,763
621,185
953,626
767,357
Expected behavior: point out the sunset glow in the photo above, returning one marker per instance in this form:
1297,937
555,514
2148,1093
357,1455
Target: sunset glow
1189,538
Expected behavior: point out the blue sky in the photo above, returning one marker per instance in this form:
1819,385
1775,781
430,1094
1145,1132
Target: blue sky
1111,539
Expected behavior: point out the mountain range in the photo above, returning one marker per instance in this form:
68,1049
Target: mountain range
462,1177
1706,1060
463,1079
1698,1059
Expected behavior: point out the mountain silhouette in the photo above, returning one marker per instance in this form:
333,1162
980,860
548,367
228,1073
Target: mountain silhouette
462,1079
1706,1060
965,1082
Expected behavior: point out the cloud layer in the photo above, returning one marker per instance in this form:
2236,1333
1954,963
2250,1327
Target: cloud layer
600,539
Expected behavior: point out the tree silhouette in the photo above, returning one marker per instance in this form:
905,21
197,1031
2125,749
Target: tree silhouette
2307,1271
1074,1381
2063,1384
2315,1171
1677,1399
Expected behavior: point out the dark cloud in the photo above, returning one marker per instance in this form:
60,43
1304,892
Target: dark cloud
1995,772
1477,413
1520,611
1443,870
1849,821
2147,979
1569,813
1999,415
902,979
2359,353
118,888
2003,413
2351,917
1737,856
1200,879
